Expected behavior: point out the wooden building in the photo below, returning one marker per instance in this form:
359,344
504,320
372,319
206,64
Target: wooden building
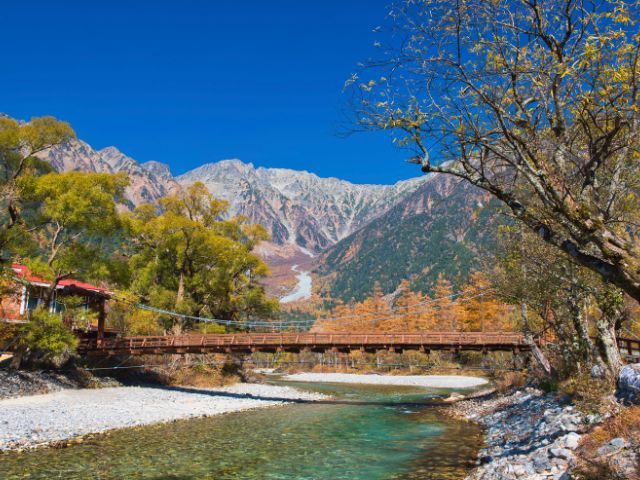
30,292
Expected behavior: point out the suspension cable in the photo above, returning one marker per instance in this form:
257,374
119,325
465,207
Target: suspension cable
305,322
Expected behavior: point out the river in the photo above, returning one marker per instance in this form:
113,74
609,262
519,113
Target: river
302,290
370,432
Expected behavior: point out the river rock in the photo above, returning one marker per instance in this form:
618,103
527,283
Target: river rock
454,397
571,440
528,435
562,453
598,371
628,389
613,446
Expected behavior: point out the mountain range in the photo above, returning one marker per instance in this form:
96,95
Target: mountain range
350,234
297,207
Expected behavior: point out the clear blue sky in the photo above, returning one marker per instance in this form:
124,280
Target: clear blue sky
189,82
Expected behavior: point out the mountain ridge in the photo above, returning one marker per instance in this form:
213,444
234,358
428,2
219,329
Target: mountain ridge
297,207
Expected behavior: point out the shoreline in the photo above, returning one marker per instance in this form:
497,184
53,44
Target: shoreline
528,434
426,381
65,417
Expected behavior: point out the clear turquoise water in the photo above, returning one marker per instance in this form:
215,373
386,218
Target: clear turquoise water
382,436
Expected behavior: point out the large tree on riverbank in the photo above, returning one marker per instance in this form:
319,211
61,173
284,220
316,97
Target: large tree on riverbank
534,101
562,300
187,258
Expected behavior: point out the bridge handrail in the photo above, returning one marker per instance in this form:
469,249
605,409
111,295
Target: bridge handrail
312,338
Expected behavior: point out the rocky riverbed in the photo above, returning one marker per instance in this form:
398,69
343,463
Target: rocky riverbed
19,383
528,435
36,420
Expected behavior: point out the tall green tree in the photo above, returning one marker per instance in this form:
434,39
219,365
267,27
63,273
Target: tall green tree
187,258
536,102
19,143
74,224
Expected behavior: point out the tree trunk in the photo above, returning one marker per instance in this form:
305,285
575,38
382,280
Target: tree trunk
180,294
48,296
577,312
16,361
607,344
536,353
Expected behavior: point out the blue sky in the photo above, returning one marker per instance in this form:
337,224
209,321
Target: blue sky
189,82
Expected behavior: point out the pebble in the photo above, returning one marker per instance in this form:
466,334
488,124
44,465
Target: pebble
612,446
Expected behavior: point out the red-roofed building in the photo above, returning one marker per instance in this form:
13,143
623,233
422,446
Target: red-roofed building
30,292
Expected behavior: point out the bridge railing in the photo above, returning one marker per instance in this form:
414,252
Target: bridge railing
307,339
629,346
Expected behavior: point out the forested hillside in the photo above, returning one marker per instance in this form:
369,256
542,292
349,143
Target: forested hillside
446,226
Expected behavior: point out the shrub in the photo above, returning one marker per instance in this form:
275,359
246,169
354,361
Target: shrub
590,395
624,423
45,339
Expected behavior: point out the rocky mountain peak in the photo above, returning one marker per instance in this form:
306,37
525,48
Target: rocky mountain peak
116,159
297,207
158,169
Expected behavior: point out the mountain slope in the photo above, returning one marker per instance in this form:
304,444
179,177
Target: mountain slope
147,183
298,206
445,226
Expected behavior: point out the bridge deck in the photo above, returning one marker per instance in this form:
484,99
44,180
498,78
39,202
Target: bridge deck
296,342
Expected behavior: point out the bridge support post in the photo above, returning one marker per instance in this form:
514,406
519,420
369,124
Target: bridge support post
537,354
102,315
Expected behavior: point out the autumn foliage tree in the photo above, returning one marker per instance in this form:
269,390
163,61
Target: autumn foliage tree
475,308
483,311
448,312
414,317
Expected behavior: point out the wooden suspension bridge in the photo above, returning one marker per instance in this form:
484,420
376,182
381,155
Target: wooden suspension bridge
319,342
299,342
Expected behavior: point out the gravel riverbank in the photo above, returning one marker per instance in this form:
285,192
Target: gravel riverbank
428,381
28,422
19,383
529,435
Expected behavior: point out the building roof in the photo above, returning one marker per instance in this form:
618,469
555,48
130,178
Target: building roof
22,271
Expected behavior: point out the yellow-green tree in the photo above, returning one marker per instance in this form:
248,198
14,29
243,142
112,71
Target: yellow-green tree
19,143
75,224
186,257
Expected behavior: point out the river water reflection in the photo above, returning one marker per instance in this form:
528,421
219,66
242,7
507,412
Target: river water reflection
384,435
